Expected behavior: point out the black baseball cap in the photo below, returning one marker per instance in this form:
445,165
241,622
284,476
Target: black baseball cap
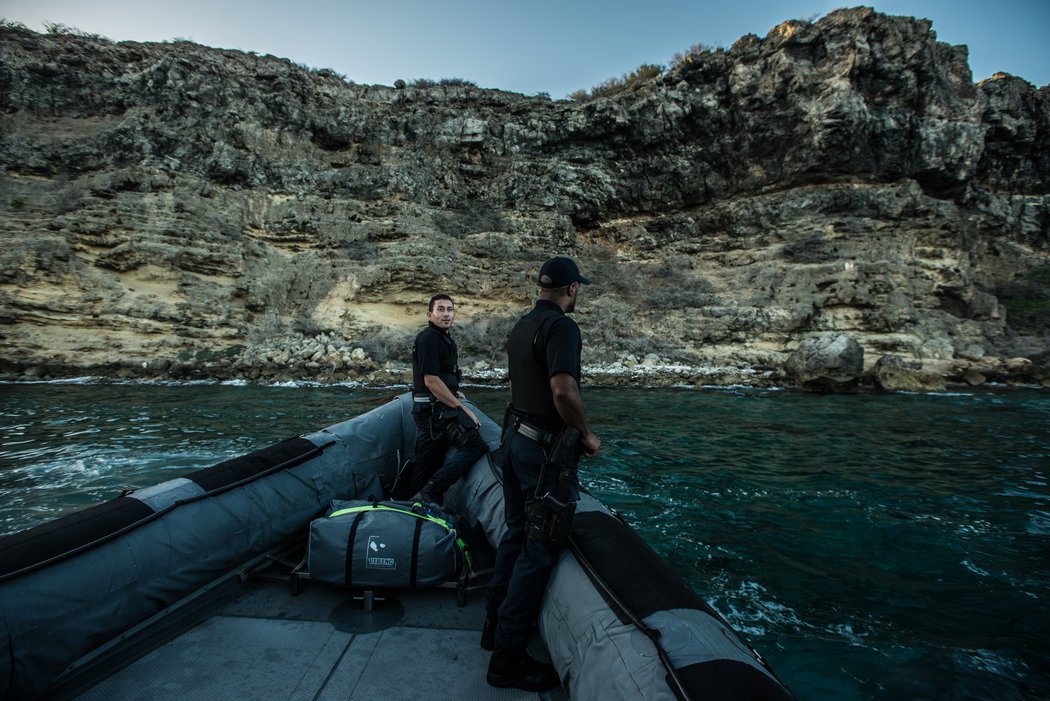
561,272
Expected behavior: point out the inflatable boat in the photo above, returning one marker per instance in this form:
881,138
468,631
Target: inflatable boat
155,594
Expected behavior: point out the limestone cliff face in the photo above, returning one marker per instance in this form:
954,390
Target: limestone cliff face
187,208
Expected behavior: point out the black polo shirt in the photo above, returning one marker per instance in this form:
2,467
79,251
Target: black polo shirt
435,353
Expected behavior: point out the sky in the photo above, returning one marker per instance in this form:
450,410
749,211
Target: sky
529,46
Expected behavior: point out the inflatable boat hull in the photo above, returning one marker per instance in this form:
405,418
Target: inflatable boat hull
71,587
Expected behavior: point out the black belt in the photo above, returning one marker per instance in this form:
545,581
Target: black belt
544,438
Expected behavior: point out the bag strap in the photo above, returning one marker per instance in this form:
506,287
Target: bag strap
415,554
382,507
350,552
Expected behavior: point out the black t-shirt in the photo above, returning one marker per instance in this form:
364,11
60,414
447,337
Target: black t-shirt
435,353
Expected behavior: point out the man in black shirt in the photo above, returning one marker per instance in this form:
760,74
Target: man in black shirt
543,353
441,418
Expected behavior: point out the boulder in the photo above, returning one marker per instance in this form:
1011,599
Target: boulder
892,373
827,363
974,377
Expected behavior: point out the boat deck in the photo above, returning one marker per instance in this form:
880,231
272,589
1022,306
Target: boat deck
262,642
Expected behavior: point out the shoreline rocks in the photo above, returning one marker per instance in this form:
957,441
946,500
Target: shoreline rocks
826,364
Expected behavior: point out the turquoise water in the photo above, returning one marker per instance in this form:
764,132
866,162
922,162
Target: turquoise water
870,547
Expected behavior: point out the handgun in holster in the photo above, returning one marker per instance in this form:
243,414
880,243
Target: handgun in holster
549,517
458,430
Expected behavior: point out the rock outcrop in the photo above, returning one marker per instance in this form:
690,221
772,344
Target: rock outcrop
827,363
895,374
177,210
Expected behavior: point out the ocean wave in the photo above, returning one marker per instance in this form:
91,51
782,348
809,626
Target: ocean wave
753,611
1038,523
84,380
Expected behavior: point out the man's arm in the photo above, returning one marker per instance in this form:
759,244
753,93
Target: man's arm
569,403
444,395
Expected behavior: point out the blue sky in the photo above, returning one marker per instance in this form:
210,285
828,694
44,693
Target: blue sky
550,46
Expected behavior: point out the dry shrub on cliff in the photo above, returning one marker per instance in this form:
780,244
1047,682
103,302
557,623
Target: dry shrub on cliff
1027,301
58,28
615,86
449,82
606,342
68,194
383,345
307,326
690,54
671,284
611,275
491,245
359,250
290,290
484,338
810,248
667,284
476,218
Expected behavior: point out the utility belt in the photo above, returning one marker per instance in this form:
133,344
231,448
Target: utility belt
544,438
529,429
453,422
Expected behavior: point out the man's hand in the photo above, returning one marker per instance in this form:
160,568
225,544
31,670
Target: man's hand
591,444
472,415
569,403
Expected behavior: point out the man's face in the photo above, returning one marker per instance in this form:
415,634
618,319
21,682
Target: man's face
574,292
442,314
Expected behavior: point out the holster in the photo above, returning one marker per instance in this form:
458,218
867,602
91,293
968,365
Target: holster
548,518
457,425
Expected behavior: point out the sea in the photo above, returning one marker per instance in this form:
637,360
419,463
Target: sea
868,546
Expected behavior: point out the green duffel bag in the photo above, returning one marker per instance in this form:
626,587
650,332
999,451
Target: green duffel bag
392,544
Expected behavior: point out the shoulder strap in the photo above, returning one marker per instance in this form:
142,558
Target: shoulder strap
548,319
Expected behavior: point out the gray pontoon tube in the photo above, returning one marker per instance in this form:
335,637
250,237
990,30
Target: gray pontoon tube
618,623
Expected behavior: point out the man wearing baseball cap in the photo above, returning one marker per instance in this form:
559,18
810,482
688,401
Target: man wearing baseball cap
560,272
543,353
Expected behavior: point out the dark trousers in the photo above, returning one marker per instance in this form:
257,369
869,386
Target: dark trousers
523,564
432,443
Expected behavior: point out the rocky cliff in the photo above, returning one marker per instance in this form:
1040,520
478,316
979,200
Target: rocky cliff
176,210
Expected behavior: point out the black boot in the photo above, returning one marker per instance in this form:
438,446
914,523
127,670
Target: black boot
514,668
488,632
